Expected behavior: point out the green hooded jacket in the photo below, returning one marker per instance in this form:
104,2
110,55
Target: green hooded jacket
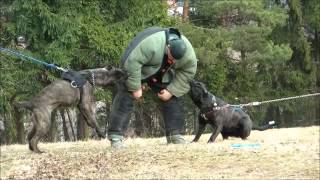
146,59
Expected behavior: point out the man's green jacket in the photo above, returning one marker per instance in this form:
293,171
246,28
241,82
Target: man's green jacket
146,59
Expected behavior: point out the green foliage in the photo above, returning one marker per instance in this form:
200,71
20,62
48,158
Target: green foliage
244,54
260,47
247,49
74,34
311,11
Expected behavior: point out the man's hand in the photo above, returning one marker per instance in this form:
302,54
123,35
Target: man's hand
137,94
164,95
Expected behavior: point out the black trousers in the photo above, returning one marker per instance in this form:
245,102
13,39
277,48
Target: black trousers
123,104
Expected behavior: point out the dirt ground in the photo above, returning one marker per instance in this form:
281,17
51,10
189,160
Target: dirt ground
288,153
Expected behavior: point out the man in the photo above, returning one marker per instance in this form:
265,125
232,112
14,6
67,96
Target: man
166,61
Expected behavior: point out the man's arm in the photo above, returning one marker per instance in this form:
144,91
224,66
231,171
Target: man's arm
138,57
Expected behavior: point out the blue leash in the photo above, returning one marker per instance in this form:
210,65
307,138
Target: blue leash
18,54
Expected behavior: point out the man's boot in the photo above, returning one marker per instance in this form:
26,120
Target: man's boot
116,141
176,139
119,116
173,116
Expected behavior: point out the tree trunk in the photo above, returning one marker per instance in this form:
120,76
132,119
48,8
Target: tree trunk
19,126
51,136
64,125
243,55
317,45
71,125
317,60
185,14
137,124
82,128
318,90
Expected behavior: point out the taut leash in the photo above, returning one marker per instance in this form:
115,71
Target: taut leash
37,61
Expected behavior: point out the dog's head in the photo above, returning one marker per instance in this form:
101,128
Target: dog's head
202,97
106,76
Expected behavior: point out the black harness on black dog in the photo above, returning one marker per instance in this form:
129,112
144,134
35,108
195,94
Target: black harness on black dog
216,107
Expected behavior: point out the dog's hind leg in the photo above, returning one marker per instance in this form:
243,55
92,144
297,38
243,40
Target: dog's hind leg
41,123
224,135
246,128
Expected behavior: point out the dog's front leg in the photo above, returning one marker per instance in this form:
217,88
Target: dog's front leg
87,109
89,116
216,131
202,127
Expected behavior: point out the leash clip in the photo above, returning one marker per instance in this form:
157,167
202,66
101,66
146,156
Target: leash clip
73,84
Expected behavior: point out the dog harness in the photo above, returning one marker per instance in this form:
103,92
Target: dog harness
218,108
76,79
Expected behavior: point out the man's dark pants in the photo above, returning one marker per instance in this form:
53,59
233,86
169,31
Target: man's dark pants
123,104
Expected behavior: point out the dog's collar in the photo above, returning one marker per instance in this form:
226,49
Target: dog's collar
203,115
92,80
214,100
215,108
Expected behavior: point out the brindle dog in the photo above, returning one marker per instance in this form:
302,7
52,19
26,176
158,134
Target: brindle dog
227,120
61,93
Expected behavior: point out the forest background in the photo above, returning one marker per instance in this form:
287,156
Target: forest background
248,50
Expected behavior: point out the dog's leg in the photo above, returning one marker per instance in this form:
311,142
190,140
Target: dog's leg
31,135
87,109
89,116
224,136
247,126
32,132
202,127
216,131
41,127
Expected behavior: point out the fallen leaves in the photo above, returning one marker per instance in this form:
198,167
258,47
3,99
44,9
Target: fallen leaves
281,155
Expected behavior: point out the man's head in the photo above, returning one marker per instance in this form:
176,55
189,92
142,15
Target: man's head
177,46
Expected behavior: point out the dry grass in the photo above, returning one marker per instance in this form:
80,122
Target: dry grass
291,153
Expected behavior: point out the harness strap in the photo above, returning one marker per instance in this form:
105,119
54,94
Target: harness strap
75,78
140,37
81,93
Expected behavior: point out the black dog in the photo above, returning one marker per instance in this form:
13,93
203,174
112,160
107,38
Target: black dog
227,120
62,93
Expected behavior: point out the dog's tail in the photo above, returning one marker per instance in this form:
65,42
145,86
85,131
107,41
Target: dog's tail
23,104
264,127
